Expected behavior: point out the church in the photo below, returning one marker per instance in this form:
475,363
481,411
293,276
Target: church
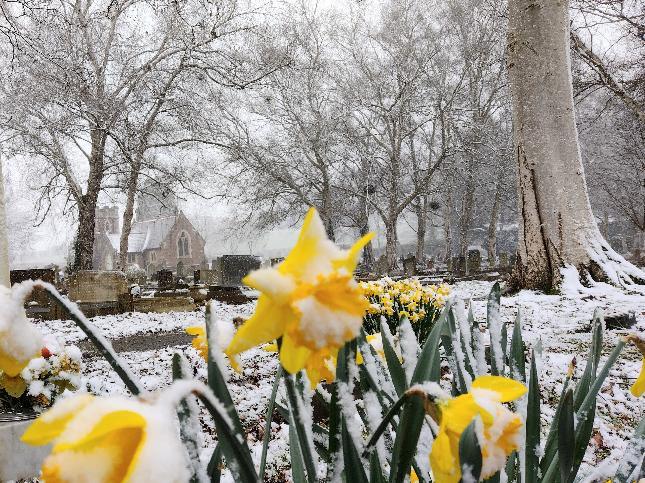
162,237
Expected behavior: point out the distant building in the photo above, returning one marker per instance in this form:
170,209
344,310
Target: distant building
162,237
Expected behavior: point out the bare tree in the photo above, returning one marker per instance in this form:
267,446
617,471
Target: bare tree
554,230
78,75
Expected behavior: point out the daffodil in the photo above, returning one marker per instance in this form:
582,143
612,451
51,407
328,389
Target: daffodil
500,430
20,341
199,343
638,388
224,333
310,300
14,386
110,439
376,342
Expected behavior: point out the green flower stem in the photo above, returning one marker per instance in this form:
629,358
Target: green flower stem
269,418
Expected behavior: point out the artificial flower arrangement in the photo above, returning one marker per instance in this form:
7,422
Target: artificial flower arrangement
45,378
403,299
388,412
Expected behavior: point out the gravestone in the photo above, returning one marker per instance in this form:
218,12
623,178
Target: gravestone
231,269
207,277
449,264
410,266
459,265
503,260
381,265
95,286
165,279
474,261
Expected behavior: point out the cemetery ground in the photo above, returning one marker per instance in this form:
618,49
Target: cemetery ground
556,325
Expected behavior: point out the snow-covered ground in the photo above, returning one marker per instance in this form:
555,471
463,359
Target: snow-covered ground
561,323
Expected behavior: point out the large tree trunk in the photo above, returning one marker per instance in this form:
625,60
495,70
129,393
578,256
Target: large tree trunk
422,222
557,227
492,226
84,243
466,214
4,236
391,243
128,214
447,228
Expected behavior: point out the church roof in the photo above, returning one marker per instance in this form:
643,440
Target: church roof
146,235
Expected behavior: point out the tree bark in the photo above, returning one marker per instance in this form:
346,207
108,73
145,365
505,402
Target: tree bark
84,243
4,236
447,228
131,193
466,215
557,227
422,223
492,226
391,243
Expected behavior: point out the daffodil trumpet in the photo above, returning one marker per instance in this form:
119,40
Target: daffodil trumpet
311,300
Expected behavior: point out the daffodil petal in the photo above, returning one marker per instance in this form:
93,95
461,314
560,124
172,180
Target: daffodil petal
350,261
442,461
266,325
292,356
507,389
196,330
271,282
639,386
53,422
111,422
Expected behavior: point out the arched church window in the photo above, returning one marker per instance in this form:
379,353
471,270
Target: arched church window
183,245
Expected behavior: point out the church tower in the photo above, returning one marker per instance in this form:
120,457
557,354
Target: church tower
107,220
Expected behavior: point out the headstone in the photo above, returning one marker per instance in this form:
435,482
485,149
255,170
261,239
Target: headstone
503,260
430,264
231,269
164,279
474,261
459,265
410,266
207,277
449,264
620,321
94,286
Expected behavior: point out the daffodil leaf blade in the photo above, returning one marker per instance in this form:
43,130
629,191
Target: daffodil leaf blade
470,453
394,366
354,466
429,362
516,357
376,473
493,319
635,449
566,437
297,464
532,443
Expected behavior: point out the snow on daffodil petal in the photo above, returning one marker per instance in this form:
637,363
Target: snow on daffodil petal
110,439
638,388
500,427
310,300
199,343
20,341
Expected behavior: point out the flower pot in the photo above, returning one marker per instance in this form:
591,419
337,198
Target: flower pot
18,460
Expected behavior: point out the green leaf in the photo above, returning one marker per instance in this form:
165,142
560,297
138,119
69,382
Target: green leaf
397,374
213,470
516,359
376,474
295,410
566,437
297,464
230,440
635,450
512,467
470,453
354,466
493,318
532,426
334,447
267,425
412,417
551,445
188,420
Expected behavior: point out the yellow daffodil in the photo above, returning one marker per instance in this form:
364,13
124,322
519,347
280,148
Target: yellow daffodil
224,330
501,427
310,300
376,342
20,341
199,342
413,477
108,440
638,388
